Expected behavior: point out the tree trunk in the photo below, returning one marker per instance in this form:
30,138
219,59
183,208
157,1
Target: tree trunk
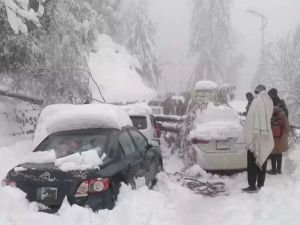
32,100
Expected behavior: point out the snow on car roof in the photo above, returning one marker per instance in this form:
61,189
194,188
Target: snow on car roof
67,117
137,109
205,85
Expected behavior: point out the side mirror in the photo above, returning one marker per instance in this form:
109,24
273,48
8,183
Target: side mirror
154,142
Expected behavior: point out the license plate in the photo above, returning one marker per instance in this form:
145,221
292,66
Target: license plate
223,145
47,193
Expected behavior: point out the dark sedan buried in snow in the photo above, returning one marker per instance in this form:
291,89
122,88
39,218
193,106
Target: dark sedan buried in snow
123,155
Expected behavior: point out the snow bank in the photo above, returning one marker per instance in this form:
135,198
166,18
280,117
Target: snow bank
114,70
137,109
216,122
205,85
66,117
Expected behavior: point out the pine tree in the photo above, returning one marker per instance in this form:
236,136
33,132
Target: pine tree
212,42
138,34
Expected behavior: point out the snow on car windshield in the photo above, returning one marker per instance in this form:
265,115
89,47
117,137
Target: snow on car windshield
65,144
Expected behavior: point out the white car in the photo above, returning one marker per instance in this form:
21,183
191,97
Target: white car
216,136
143,119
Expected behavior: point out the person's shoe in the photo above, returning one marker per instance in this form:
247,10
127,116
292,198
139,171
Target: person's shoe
271,172
279,172
259,187
250,189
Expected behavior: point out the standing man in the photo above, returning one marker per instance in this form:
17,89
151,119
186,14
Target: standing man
249,97
259,138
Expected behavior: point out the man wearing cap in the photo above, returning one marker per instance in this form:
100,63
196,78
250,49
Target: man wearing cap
259,138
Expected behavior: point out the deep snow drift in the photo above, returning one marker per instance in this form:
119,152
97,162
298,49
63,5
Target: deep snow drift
169,203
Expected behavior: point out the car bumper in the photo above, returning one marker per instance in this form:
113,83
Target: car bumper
213,161
95,202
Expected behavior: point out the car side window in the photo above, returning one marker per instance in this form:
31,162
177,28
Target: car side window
140,141
126,143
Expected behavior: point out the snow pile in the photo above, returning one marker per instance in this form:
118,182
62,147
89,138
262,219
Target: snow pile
66,117
114,70
40,157
238,105
195,171
206,85
216,122
13,155
137,109
79,161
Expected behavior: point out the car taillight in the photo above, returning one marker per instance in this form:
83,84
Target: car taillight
7,182
199,141
92,186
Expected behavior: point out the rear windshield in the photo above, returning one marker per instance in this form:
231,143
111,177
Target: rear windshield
156,111
139,122
68,143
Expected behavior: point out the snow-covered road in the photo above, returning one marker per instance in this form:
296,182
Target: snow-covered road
169,203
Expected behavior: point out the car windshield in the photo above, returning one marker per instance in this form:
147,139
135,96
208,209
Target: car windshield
68,143
139,122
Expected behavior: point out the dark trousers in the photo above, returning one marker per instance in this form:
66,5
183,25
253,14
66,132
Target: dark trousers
255,174
276,161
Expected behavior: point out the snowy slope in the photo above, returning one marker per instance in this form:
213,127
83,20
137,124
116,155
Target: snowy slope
113,68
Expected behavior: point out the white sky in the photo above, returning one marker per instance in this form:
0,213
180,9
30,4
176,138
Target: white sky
172,18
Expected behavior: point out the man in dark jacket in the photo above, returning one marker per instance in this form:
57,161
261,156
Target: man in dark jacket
273,93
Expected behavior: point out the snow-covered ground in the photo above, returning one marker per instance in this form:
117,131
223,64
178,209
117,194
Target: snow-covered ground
169,203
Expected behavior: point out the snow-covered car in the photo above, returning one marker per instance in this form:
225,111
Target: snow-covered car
157,106
82,154
143,119
216,135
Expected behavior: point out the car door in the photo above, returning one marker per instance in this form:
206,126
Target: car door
150,158
132,156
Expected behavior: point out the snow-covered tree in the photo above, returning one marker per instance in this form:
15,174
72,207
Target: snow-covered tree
49,62
108,11
137,34
212,42
282,71
20,12
281,64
